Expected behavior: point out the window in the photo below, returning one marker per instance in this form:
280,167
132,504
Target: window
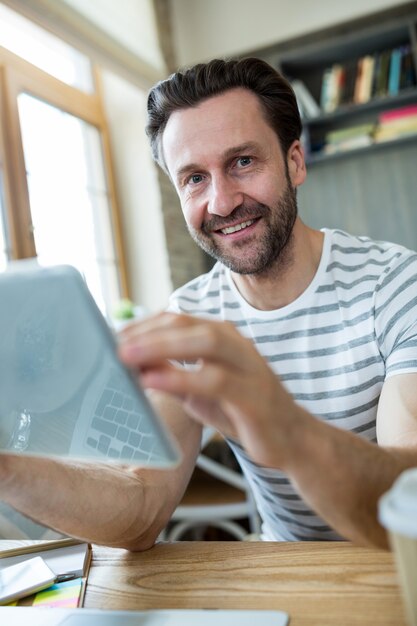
45,51
60,206
68,195
3,240
4,234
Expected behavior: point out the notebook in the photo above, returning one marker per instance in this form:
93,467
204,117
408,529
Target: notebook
64,391
70,561
15,616
64,557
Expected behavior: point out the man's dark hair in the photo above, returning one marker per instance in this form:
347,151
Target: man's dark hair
187,88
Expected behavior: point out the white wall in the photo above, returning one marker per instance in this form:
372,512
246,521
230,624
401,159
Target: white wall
138,194
204,29
129,22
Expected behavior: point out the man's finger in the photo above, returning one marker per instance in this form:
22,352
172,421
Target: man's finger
204,340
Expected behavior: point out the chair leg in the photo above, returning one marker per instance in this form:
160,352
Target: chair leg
179,529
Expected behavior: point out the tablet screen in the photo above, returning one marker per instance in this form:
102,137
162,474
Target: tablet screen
64,391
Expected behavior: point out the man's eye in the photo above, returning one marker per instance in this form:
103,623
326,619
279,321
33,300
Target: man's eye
244,161
195,179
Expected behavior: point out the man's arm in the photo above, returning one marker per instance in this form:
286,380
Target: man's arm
107,504
347,475
232,388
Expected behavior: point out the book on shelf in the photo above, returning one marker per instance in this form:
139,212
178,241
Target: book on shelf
397,123
408,74
364,80
381,79
350,72
390,134
394,71
394,74
400,124
359,80
333,81
306,103
354,143
399,113
336,86
377,66
345,139
341,134
325,89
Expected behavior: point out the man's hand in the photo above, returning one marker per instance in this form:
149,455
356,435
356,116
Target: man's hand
226,383
231,387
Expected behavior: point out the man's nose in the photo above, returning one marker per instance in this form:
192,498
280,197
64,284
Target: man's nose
224,196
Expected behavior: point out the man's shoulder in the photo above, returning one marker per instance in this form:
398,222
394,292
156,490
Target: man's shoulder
356,248
200,294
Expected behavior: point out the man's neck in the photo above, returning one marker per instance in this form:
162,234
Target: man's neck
295,270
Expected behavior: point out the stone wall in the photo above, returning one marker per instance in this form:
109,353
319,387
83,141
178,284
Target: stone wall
186,260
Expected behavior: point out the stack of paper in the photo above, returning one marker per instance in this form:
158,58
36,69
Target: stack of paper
67,558
397,123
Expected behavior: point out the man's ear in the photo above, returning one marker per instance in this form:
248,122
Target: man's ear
296,163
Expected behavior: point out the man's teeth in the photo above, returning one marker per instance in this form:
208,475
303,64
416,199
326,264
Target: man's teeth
234,229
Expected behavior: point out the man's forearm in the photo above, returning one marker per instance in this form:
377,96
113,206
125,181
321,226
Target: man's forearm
113,505
342,476
103,504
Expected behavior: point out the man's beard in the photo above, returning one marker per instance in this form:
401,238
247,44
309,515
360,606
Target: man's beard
270,248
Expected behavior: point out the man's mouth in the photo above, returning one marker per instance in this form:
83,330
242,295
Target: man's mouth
233,229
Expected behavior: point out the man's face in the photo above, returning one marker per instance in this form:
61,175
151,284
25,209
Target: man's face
235,187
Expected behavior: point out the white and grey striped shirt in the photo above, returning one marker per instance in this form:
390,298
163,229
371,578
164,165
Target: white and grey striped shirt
333,347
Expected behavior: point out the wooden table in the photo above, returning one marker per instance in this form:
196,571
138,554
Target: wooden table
329,583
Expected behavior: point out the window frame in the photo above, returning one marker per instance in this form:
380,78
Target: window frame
19,76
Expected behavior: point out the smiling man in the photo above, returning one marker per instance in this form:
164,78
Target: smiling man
234,183
300,346
304,342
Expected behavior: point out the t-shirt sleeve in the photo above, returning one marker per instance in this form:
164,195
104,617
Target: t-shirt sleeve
174,304
396,315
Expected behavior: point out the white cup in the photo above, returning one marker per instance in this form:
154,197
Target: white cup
398,514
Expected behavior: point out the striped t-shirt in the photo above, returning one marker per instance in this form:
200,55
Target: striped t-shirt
354,326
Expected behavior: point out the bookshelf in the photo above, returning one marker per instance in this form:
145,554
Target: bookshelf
368,190
369,67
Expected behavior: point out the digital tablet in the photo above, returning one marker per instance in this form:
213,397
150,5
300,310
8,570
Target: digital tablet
63,390
14,616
